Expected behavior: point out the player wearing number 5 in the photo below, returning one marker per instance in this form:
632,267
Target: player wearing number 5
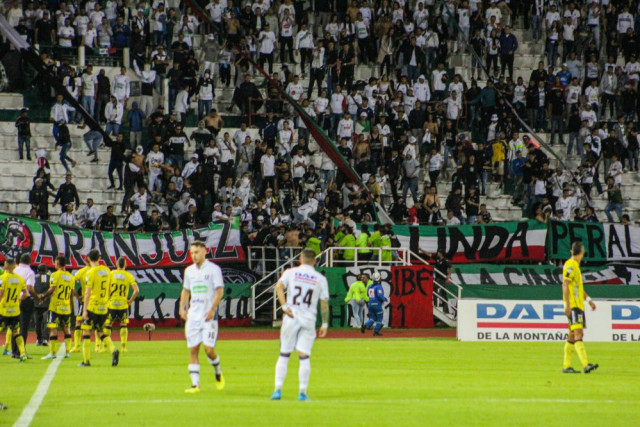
120,283
202,290
573,295
376,310
95,309
304,286
61,289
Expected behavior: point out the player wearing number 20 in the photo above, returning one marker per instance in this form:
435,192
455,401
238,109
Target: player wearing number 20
202,290
304,286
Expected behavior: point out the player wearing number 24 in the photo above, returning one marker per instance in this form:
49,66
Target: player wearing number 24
304,287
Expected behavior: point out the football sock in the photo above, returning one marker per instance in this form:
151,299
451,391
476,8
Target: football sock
568,354
98,341
67,342
20,344
77,336
86,349
281,370
7,343
304,373
194,373
53,344
582,353
216,364
124,335
106,340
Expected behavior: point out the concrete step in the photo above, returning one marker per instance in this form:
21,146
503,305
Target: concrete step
11,101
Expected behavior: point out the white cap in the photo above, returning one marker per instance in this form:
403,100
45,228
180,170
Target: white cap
494,118
421,77
412,140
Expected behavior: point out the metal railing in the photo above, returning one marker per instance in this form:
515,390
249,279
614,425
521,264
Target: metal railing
260,258
442,296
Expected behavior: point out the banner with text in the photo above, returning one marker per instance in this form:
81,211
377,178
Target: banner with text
45,240
159,297
523,240
602,242
537,275
409,290
502,320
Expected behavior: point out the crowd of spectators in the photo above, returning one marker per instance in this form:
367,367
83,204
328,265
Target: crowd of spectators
412,121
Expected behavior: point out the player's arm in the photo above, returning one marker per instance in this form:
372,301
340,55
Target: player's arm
282,300
216,302
588,299
134,295
565,295
324,310
52,287
24,295
85,306
184,297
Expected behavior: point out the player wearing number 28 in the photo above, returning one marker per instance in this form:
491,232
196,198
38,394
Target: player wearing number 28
202,291
304,287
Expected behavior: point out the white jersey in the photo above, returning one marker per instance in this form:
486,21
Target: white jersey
202,283
305,286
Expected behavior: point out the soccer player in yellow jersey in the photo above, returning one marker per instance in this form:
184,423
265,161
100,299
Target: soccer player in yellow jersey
80,279
573,295
62,291
13,290
120,283
95,308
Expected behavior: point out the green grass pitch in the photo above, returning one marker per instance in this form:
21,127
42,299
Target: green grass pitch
353,382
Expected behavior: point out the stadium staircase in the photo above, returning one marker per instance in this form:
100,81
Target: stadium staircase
264,306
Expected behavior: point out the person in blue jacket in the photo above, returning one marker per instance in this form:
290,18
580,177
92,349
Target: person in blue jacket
376,310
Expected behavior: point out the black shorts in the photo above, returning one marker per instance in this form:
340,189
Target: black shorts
10,322
96,322
577,319
118,316
57,320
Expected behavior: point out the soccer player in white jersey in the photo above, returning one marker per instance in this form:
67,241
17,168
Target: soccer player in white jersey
202,292
304,286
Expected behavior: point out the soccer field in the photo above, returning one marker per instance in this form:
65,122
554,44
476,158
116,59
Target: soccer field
353,382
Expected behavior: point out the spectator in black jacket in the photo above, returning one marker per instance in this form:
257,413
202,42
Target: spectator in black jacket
103,94
39,199
116,161
23,123
413,59
67,193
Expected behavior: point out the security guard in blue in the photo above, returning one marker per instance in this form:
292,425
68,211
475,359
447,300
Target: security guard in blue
376,299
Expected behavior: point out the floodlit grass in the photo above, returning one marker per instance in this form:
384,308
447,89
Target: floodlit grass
353,382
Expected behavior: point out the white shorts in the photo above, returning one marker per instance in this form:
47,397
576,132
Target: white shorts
297,333
200,332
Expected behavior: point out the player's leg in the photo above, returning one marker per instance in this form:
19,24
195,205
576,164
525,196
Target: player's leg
7,342
304,345
105,338
288,333
77,335
124,331
579,344
99,347
194,336
67,338
52,324
369,323
569,349
87,327
209,340
19,342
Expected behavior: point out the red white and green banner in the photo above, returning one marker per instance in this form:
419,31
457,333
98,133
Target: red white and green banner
524,240
46,240
409,290
602,242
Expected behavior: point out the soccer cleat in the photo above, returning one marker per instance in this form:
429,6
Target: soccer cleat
302,397
277,395
590,367
116,358
6,352
84,365
66,356
378,333
74,349
49,357
569,371
124,350
24,358
362,329
219,381
101,349
3,407
193,390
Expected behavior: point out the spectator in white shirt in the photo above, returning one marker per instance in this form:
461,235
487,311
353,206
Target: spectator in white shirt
88,215
68,217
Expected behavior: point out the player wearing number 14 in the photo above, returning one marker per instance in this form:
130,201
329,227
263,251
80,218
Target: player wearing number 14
13,290
304,287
